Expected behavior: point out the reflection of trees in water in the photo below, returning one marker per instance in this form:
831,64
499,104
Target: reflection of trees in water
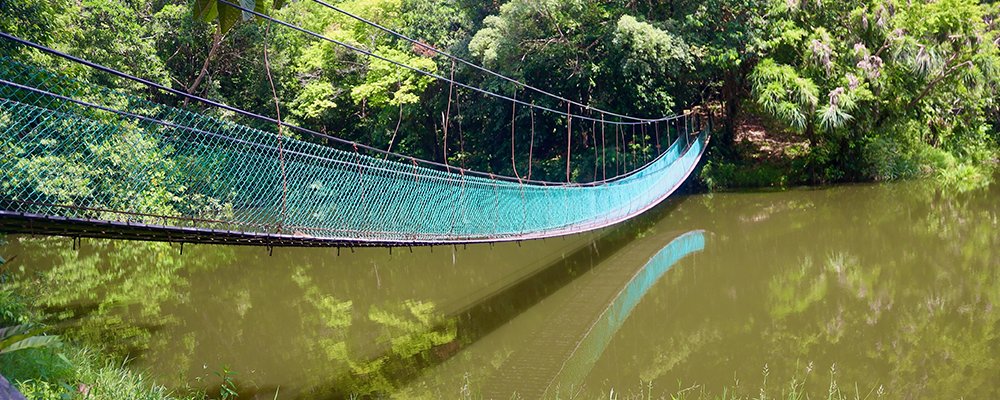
108,292
112,294
897,285
126,296
403,335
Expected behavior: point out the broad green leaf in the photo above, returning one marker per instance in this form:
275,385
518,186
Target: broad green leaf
31,342
19,333
228,17
206,10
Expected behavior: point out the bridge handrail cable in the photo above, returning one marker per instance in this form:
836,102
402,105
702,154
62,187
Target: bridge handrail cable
214,103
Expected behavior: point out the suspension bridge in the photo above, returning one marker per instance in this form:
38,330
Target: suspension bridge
84,160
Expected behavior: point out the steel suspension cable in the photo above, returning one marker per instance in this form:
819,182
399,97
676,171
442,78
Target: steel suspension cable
642,132
604,152
513,116
593,137
531,144
633,145
656,135
447,114
226,107
281,132
310,132
569,138
617,150
461,136
217,104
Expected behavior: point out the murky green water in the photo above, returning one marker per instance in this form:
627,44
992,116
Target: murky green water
893,288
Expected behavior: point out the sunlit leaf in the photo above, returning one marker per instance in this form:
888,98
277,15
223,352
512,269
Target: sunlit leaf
206,10
228,17
31,342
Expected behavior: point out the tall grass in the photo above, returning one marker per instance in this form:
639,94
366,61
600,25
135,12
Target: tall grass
813,386
89,376
829,388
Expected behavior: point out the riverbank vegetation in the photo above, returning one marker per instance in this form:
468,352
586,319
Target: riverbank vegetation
63,368
872,91
876,90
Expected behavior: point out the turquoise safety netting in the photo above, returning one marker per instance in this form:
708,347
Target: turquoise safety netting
76,150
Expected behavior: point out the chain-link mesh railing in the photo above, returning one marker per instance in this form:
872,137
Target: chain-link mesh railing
75,150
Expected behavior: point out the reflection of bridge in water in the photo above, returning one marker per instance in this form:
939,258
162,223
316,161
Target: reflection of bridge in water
590,293
605,279
560,354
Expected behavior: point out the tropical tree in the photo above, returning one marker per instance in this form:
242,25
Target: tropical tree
878,81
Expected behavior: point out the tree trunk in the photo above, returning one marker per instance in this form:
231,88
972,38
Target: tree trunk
731,88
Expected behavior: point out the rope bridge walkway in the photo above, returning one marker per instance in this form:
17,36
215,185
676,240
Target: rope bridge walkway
85,160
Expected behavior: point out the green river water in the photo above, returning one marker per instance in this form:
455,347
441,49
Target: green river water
887,289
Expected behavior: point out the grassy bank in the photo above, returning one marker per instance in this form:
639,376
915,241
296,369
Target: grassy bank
64,369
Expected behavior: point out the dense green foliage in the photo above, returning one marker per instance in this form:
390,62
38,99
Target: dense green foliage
881,89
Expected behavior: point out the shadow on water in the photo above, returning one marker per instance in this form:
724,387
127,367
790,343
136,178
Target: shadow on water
494,310
560,354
